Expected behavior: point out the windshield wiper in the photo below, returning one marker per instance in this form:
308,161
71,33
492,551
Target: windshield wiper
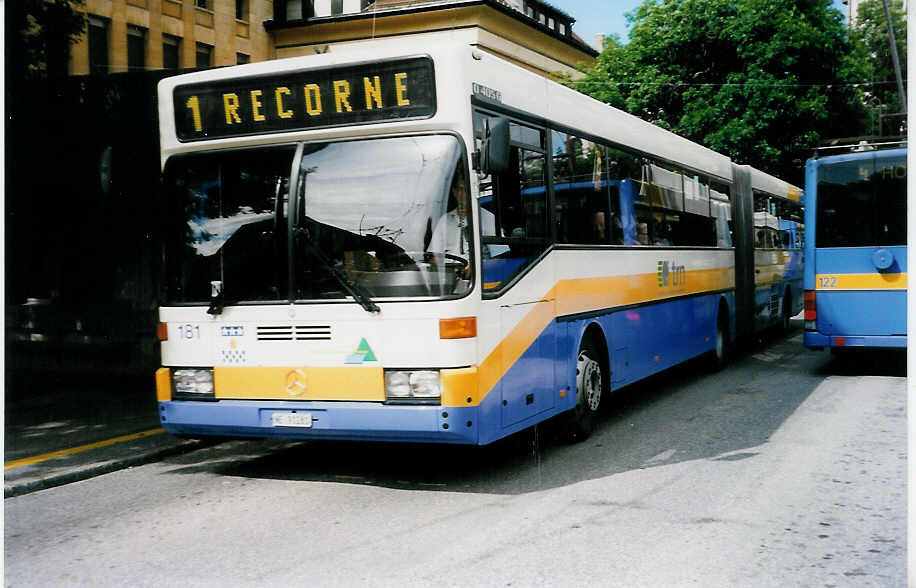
352,289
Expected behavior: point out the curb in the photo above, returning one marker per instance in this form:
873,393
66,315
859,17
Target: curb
79,473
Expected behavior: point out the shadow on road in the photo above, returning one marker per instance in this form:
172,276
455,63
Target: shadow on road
683,414
852,361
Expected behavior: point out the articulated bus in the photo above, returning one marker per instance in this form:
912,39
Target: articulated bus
434,245
855,244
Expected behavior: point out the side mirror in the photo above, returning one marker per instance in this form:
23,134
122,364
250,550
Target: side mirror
494,153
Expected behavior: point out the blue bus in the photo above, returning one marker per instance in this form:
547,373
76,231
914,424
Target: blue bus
855,243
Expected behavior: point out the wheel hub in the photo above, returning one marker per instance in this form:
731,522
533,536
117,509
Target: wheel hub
588,382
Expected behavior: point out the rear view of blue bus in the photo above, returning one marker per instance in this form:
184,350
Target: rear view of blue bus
855,247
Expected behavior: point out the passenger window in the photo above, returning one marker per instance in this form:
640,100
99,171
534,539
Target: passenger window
721,210
783,241
676,208
586,202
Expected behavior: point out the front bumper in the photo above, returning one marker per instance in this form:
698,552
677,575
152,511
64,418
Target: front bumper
369,421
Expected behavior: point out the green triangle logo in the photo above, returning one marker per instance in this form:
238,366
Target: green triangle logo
365,350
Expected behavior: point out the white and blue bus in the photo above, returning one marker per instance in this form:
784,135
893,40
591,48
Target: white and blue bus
405,244
855,243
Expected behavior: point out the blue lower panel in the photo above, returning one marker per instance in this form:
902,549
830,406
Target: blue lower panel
817,340
652,338
862,313
330,420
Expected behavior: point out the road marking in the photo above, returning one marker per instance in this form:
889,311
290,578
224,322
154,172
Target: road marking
39,458
663,456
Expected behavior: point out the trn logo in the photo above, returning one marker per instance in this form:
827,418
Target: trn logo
671,274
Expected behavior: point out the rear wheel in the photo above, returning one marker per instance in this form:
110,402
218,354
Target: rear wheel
720,353
591,388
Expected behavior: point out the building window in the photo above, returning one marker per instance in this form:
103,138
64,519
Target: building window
550,23
204,55
98,45
562,29
136,48
241,58
336,7
171,52
202,4
241,9
530,12
293,9
541,18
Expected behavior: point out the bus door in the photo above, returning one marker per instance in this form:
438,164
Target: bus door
768,269
860,246
513,207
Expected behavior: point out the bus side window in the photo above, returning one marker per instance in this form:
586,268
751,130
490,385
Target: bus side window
720,196
523,195
582,192
784,240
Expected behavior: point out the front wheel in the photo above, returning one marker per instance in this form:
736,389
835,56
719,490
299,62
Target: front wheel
591,388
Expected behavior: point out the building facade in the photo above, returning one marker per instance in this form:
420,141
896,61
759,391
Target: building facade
134,35
529,33
131,35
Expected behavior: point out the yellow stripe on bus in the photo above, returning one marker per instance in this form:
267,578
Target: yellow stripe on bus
589,294
874,281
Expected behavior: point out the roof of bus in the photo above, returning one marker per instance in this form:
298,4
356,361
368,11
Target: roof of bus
520,90
867,154
774,186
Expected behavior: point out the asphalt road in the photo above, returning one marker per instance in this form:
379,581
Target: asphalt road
787,468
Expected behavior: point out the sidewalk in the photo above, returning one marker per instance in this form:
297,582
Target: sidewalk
64,429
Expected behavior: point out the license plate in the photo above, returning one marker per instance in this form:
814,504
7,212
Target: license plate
291,419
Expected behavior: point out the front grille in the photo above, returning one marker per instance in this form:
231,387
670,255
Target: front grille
294,333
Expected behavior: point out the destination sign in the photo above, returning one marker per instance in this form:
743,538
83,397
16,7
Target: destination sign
367,93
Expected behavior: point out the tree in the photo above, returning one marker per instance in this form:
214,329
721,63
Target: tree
763,81
871,47
39,34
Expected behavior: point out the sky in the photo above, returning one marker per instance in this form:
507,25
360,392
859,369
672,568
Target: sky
607,16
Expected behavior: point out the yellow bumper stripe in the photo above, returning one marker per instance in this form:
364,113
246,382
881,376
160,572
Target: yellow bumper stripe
365,384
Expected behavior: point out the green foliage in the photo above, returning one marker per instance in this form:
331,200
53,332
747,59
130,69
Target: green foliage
762,81
39,34
871,47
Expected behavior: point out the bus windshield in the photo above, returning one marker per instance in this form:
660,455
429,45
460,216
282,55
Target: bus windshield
387,215
862,203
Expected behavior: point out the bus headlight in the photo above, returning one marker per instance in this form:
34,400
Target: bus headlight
192,383
413,385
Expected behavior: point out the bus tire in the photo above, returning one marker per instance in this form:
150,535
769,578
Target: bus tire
592,387
721,351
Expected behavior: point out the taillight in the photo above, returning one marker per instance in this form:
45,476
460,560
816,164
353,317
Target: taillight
162,331
810,311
